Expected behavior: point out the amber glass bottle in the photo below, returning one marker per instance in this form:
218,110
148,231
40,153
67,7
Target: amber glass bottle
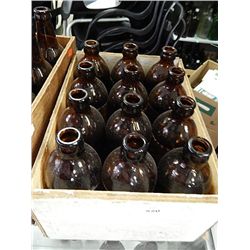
159,71
91,53
185,169
174,127
48,43
40,67
163,94
130,167
128,83
74,164
98,94
86,118
130,118
130,52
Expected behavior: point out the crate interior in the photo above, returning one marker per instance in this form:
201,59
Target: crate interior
49,143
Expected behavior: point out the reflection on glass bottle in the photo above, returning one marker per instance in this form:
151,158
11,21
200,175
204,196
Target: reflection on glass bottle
205,24
213,33
194,22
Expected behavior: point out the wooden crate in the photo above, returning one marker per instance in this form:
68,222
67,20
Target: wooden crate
107,215
44,102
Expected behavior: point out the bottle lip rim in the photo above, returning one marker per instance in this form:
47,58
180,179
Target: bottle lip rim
82,91
86,68
67,129
135,135
130,46
169,50
41,10
186,102
131,68
91,43
126,102
202,142
176,71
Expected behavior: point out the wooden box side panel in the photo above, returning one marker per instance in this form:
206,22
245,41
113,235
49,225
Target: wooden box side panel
44,102
48,143
92,219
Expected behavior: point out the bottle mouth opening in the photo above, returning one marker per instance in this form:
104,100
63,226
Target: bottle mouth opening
200,146
169,50
132,99
41,9
176,71
185,101
131,69
130,46
134,142
68,136
91,43
86,65
78,94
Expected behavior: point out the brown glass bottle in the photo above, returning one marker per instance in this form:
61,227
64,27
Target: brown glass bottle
130,52
130,118
185,169
159,71
173,128
91,53
162,95
83,116
74,164
129,83
130,167
48,43
40,67
98,94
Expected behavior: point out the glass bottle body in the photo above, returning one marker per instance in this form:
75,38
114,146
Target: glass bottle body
164,93
95,88
130,167
130,118
85,117
91,50
50,47
173,128
205,24
185,169
159,71
130,52
40,67
74,164
129,83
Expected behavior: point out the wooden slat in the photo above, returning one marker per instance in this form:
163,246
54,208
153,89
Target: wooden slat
44,102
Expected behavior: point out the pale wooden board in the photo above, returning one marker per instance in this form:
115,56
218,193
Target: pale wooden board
44,102
202,208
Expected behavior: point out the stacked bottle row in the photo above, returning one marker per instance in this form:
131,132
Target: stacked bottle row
125,131
45,47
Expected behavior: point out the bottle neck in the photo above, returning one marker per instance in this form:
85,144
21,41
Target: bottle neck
183,107
197,152
134,147
168,55
69,142
91,48
130,51
175,77
79,100
36,53
131,74
86,70
132,104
